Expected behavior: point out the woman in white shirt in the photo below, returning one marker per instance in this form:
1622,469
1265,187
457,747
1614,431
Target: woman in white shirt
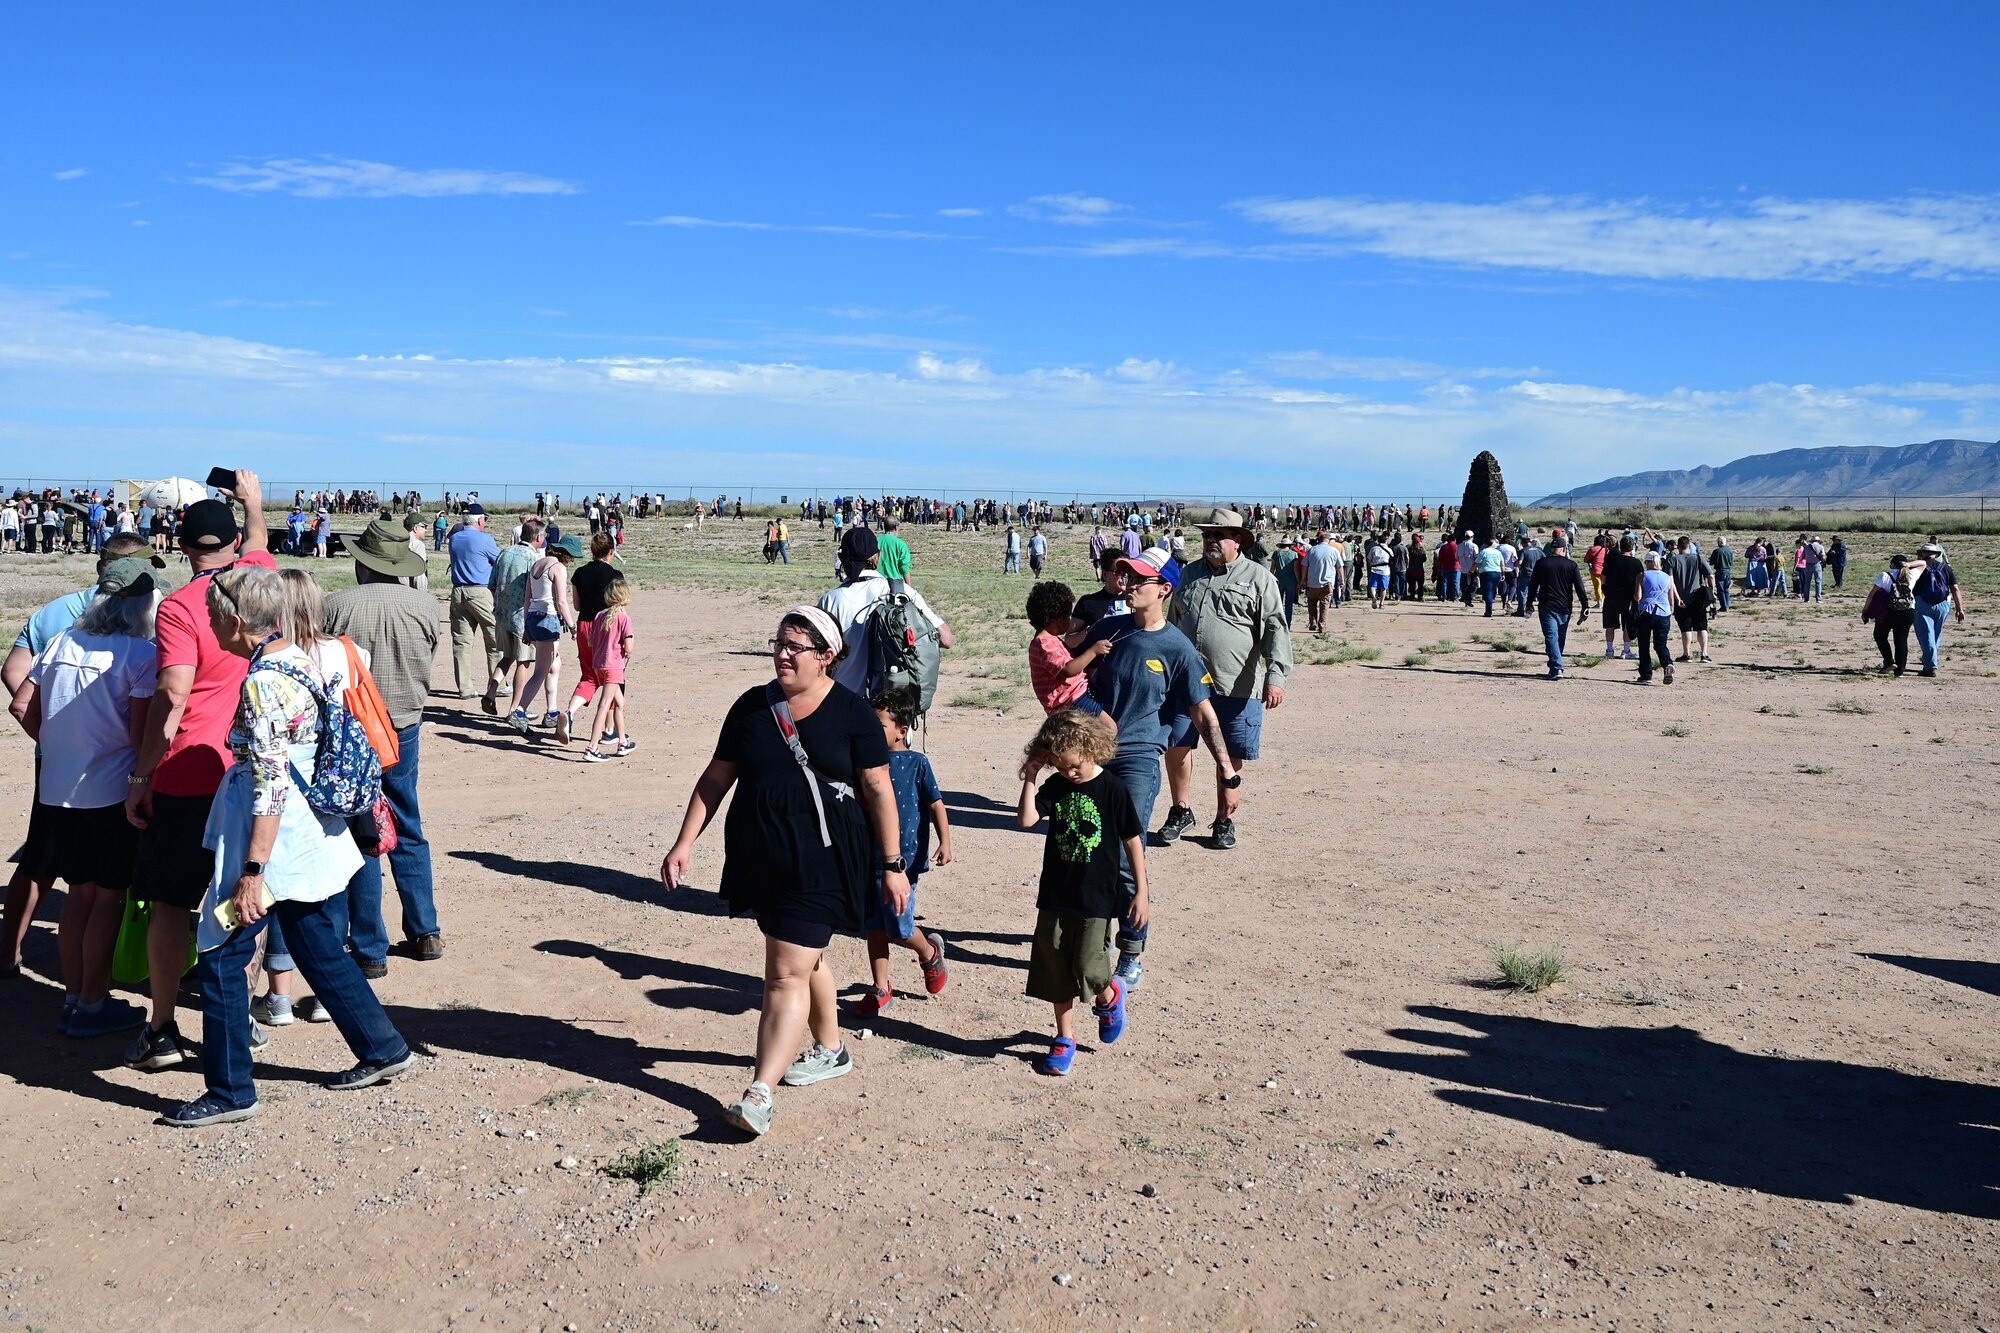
84,703
547,614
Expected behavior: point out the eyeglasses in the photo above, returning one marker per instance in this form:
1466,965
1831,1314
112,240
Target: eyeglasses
789,648
1137,580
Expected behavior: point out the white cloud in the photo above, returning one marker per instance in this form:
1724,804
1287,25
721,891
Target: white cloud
828,229
1080,210
930,314
71,174
961,212
74,382
1322,366
352,178
1762,239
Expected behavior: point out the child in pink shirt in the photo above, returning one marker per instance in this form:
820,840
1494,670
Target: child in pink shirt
1049,608
611,643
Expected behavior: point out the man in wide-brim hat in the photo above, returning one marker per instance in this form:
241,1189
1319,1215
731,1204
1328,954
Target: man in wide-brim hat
385,548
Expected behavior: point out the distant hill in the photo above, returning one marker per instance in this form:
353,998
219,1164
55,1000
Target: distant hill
1939,468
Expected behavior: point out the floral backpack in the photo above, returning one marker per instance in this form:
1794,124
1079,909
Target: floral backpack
347,773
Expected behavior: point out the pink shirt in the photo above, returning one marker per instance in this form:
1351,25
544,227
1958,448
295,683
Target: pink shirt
1047,656
608,634
199,755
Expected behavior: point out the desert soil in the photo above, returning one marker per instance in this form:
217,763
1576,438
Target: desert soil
1764,1098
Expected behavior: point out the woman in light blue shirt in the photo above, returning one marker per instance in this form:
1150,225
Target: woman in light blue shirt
1654,613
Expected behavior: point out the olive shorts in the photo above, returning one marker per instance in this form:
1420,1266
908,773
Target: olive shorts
1070,958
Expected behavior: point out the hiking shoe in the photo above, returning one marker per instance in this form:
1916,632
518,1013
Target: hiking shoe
69,1008
1670,673
1179,820
152,1050
1682,658
489,705
209,1109
273,1011
1111,1017
373,971
817,1066
562,728
1928,671
873,1001
594,756
312,1010
1062,1051
111,1016
935,973
370,1072
428,948
1130,972
1224,834
752,1112
554,719
518,720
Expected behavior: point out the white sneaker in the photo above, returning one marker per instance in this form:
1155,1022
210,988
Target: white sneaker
818,1065
312,1011
752,1112
273,1011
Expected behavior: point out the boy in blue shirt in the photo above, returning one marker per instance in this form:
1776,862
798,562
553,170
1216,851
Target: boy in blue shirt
919,809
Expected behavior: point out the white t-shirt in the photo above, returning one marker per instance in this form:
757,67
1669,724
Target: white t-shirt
87,684
846,604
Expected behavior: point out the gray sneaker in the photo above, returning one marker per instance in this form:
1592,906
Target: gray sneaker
1225,834
753,1112
818,1065
1179,820
273,1011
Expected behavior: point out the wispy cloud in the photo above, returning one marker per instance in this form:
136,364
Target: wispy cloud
931,366
1077,210
253,303
1763,239
71,174
961,212
1322,366
352,178
930,314
825,229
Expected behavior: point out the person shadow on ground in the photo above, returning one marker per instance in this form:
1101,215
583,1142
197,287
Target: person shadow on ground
1804,1129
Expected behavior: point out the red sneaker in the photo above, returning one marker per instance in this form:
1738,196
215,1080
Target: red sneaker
873,1001
935,973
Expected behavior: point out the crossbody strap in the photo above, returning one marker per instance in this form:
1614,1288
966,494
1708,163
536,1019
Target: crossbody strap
781,710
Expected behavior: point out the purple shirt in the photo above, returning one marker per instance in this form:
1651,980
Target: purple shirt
1128,542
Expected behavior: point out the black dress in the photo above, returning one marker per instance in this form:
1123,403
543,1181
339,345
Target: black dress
774,864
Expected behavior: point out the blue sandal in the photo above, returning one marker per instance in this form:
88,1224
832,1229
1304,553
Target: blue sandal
1111,1017
1056,1063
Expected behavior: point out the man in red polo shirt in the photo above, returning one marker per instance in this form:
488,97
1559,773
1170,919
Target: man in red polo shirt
185,752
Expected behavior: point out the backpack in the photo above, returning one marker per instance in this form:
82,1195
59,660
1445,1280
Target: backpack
1901,596
347,773
1934,585
904,650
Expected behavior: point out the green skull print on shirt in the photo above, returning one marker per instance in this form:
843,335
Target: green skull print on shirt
1079,826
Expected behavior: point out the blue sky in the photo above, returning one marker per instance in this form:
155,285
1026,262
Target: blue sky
1293,250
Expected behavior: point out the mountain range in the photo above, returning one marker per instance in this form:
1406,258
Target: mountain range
1933,470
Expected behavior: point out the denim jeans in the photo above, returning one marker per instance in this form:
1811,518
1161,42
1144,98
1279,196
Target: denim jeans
1651,632
1140,772
1448,586
1930,630
1722,582
1489,588
333,975
368,933
1555,636
785,552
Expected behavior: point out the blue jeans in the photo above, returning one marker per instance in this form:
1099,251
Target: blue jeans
1140,772
1448,586
1489,587
333,975
1722,582
1555,636
785,552
1930,630
368,933
1013,565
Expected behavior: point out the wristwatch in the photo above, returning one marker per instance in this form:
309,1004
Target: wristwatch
1233,781
894,865
253,868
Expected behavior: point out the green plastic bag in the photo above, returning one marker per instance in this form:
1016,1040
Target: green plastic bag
129,965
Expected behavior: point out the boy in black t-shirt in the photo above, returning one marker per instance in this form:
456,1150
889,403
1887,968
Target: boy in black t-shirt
1091,817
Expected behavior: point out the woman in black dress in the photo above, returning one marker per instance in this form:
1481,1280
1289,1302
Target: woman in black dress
799,846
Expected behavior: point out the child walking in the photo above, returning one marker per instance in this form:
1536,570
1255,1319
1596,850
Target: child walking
611,647
919,809
1090,817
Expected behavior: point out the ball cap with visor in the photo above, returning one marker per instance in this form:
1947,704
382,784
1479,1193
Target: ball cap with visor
1153,564
129,576
208,525
857,544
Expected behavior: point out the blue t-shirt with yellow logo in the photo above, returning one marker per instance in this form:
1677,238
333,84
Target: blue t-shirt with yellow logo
1147,679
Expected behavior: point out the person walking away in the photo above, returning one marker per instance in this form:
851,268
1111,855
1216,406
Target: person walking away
1599,551
1413,583
1094,831
1376,556
397,627
919,811
509,585
1556,592
275,855
1691,577
1228,606
547,616
1038,550
1937,590
1012,564
1812,557
1531,555
84,705
1622,574
587,587
473,554
611,639
861,587
1491,571
894,551
186,753
1447,569
1321,575
1892,605
1722,564
1836,561
1653,608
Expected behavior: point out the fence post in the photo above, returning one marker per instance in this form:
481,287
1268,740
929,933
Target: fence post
1809,511
1892,513
1982,515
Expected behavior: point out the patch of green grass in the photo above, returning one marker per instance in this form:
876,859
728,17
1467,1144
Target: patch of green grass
1849,706
1440,648
1148,1144
647,1165
992,696
1511,662
1583,662
1812,770
1339,651
1639,997
914,1051
1529,970
565,1096
458,1006
1777,712
1416,659
1678,730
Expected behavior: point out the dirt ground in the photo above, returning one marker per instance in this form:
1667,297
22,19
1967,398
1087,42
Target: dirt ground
1765,1098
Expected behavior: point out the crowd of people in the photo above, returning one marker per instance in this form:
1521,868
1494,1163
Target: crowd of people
240,754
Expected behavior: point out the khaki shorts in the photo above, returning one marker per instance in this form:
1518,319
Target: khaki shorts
511,647
1070,958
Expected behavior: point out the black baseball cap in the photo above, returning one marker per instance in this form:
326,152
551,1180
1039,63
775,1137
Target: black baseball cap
857,544
209,525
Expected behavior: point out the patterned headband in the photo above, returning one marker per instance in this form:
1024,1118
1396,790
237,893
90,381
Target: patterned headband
822,623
